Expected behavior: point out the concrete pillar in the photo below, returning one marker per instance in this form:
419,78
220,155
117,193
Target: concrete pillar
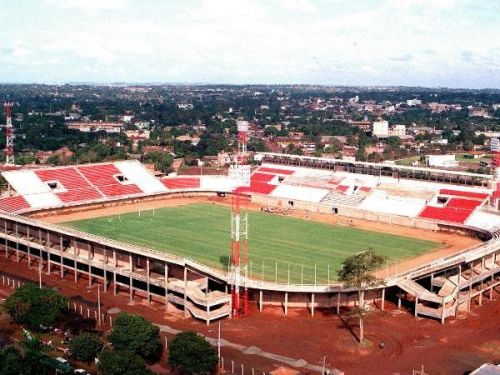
470,297
185,291
442,312
114,271
383,299
399,301
491,286
432,282
61,256
105,281
48,253
312,304
17,243
416,306
208,314
481,294
338,303
89,258
6,241
148,295
166,286
131,268
74,259
286,303
261,300
459,275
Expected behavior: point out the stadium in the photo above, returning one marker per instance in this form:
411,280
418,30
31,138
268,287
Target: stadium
167,239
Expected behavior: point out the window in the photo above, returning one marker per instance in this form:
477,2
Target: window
121,178
54,185
442,200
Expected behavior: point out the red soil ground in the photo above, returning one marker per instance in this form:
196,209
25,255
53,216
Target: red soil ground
456,347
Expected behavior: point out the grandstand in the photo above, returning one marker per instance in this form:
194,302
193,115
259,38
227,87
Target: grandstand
413,197
302,187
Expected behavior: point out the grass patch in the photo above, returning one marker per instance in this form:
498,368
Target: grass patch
202,232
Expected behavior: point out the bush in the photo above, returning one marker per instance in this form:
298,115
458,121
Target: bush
191,354
133,333
34,307
85,347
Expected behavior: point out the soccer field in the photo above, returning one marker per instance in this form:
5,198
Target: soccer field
278,246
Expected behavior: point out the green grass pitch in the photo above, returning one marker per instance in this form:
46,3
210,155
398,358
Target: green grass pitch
202,232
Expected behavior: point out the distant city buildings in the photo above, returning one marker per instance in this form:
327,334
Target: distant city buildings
90,127
381,129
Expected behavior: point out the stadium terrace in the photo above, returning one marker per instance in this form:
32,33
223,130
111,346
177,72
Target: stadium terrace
414,198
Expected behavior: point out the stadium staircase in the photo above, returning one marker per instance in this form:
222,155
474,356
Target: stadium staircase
453,290
336,199
201,304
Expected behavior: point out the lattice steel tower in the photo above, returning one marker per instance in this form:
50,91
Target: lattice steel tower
9,134
239,226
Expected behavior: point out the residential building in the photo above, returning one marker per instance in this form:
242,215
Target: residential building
90,127
380,128
442,161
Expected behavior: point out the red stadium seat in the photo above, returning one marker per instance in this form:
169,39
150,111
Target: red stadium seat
102,176
13,204
77,187
262,177
181,183
275,170
460,193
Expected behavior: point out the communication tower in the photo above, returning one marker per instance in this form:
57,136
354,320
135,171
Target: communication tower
239,225
9,134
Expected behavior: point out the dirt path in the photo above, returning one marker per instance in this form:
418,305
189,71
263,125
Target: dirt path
458,346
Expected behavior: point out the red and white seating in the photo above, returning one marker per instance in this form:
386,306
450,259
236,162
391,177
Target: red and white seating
104,178
180,183
14,204
70,184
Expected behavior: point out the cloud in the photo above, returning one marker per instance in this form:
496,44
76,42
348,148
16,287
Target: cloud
89,5
273,41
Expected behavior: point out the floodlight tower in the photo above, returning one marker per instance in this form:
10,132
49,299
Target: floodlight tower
9,134
239,226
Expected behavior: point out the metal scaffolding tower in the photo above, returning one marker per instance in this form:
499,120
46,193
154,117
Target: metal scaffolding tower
9,134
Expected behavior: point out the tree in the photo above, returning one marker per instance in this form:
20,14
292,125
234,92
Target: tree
85,347
10,362
29,359
191,354
135,334
356,271
121,363
34,307
162,160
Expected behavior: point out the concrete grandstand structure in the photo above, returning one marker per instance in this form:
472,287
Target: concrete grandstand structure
413,197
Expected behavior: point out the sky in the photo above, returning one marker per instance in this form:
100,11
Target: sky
432,43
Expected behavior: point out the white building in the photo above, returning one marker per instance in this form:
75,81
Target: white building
90,127
380,128
444,161
413,102
397,131
128,118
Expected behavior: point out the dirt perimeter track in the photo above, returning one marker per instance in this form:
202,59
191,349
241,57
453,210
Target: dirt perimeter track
450,242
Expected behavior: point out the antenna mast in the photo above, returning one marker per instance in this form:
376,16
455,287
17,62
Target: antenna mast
239,226
9,134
